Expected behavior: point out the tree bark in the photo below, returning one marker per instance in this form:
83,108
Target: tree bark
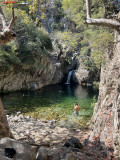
7,35
4,128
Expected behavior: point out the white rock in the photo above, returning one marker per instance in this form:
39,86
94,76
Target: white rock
18,113
15,119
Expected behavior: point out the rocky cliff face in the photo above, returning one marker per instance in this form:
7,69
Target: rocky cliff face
52,71
106,117
84,76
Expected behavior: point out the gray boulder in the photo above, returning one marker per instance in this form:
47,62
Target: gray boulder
23,150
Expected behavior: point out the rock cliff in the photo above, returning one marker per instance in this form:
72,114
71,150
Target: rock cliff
82,75
106,117
52,71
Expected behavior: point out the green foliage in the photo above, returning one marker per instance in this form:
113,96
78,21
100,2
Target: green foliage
69,38
96,85
55,26
31,44
93,102
94,40
37,10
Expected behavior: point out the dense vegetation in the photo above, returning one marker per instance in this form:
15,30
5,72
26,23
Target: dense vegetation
31,42
93,40
26,50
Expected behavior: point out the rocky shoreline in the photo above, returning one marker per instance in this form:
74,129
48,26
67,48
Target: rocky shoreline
47,141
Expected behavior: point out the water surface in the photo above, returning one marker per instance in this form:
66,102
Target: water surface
57,99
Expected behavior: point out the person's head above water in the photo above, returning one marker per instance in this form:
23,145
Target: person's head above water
76,104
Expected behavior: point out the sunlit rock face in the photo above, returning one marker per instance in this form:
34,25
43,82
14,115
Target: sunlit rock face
82,75
106,117
52,70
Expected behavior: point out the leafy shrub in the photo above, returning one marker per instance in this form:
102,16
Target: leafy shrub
30,45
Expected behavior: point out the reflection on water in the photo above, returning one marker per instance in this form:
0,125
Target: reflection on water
49,96
80,92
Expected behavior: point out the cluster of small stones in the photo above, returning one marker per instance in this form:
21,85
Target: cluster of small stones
47,139
36,131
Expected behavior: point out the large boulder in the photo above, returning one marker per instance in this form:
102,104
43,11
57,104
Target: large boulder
81,75
23,151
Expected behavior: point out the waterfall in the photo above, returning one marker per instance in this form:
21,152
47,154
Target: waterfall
69,77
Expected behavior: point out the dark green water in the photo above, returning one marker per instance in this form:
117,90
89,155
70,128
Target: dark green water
58,97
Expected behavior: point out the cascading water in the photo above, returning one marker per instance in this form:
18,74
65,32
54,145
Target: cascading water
69,77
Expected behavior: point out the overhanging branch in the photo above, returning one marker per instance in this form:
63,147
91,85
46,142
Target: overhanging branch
100,22
104,22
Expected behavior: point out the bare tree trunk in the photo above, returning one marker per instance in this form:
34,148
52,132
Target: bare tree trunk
7,35
4,128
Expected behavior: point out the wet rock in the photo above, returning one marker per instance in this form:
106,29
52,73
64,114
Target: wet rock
73,143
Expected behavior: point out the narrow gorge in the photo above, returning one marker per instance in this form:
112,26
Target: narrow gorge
53,57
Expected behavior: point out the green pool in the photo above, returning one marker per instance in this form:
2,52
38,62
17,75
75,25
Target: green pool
52,102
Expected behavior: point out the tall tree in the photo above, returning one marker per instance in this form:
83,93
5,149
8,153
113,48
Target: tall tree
6,35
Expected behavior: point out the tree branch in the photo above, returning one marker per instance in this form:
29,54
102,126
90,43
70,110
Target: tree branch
100,22
7,35
14,18
12,22
88,7
104,22
3,18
